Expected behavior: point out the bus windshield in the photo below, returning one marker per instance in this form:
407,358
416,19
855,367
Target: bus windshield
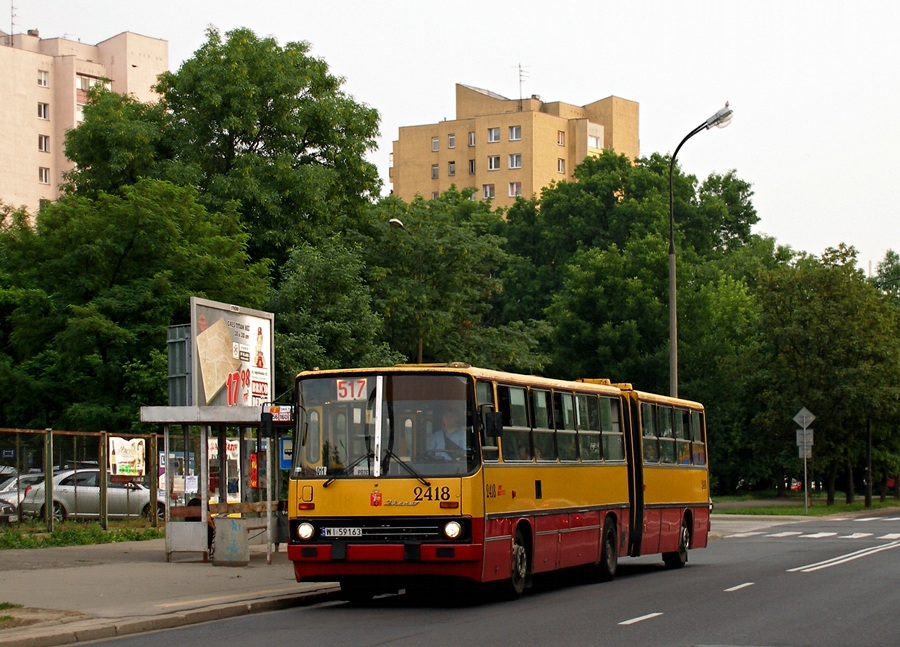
383,425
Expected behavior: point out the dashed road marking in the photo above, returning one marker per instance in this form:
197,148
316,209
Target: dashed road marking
739,587
640,619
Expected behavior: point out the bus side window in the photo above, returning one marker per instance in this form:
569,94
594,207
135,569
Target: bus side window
666,439
588,419
683,436
514,438
484,395
613,442
544,443
564,416
699,446
648,431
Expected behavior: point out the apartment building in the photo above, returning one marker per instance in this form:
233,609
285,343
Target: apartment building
504,148
43,88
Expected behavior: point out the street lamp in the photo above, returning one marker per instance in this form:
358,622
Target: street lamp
398,224
721,119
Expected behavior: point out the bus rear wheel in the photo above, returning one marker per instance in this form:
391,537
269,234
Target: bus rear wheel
679,558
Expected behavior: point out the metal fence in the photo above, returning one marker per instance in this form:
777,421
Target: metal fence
58,475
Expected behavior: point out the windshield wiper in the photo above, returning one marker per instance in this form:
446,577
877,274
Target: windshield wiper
349,467
409,469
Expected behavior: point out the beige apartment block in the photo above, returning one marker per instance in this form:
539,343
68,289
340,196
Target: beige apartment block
504,148
43,89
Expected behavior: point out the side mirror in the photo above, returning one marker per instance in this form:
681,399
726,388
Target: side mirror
493,424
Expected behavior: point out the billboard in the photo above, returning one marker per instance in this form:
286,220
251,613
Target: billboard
232,354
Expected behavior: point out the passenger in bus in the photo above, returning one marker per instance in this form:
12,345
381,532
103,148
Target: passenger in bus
449,442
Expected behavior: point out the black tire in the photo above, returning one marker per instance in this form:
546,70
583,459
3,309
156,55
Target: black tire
59,512
609,552
518,572
160,511
679,557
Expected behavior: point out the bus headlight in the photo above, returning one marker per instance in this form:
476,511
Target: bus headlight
305,530
452,529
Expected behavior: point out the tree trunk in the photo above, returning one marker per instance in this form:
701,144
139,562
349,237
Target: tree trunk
851,491
832,476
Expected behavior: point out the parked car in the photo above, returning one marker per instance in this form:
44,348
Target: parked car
76,495
8,512
13,489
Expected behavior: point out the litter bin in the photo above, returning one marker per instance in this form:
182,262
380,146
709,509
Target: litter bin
230,545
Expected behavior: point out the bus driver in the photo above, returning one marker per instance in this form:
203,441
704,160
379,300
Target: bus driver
449,441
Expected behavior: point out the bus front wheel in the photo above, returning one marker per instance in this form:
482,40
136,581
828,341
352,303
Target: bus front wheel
519,566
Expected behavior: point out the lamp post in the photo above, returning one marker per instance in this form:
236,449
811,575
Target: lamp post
721,119
398,224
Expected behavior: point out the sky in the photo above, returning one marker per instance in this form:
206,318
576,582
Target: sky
813,84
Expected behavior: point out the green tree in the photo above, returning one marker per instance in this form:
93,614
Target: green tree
323,313
828,341
434,281
244,121
97,283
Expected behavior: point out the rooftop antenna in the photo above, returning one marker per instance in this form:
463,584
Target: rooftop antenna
12,22
523,74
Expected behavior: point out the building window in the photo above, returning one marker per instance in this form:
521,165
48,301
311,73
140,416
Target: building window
451,168
435,144
515,160
561,137
487,191
493,135
594,142
515,189
515,133
471,167
434,171
493,162
435,195
451,141
44,175
43,111
43,78
471,139
44,143
561,165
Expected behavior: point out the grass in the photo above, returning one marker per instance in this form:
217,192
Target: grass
770,503
74,533
6,606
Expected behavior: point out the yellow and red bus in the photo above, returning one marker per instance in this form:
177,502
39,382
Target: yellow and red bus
540,475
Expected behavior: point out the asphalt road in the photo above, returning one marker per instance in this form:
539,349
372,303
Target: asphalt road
788,582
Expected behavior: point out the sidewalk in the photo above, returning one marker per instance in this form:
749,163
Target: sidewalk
82,593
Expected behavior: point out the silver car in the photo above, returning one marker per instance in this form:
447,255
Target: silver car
76,495
12,489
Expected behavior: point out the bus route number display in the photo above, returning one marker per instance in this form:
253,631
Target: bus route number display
351,390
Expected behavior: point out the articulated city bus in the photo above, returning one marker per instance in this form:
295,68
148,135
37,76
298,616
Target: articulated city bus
407,474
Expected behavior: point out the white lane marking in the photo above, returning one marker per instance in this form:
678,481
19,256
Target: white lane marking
640,619
843,559
869,519
891,535
743,534
857,535
739,587
819,535
792,533
890,518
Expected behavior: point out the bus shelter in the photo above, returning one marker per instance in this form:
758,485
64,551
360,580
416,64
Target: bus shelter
206,474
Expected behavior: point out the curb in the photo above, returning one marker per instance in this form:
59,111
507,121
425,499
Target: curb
83,630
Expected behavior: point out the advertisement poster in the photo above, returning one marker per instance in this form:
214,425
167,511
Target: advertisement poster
232,354
127,457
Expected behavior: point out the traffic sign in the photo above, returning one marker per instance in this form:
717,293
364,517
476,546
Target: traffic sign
805,451
804,417
804,437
